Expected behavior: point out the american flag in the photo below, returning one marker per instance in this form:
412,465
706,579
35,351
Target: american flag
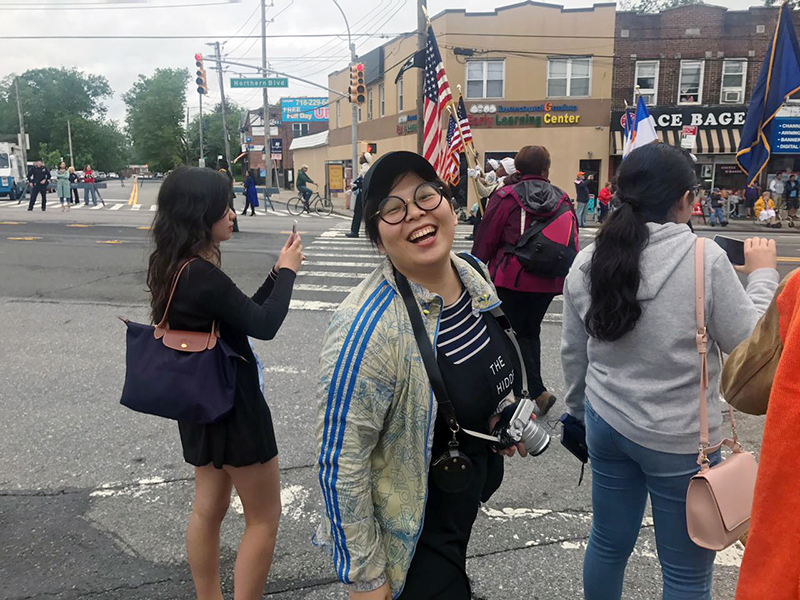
452,163
463,119
437,98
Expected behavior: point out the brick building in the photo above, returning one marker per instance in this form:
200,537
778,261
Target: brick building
695,65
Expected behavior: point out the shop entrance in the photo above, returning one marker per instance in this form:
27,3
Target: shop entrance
591,167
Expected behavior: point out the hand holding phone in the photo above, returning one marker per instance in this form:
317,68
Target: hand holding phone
759,253
733,248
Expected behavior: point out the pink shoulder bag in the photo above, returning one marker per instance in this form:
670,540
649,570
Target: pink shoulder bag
719,498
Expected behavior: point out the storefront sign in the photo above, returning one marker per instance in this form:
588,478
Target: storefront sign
406,124
677,117
304,110
335,177
276,147
539,115
786,138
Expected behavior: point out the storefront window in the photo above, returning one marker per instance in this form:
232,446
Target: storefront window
734,76
690,86
485,79
568,77
647,80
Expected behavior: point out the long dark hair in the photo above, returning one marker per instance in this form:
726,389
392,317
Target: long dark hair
190,201
650,183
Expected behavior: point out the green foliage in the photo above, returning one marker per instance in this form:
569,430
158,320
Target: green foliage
51,97
213,140
793,4
156,108
654,6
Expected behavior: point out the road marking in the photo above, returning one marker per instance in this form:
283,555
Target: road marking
788,259
81,225
287,232
310,287
110,242
144,228
136,207
313,305
153,207
8,203
77,206
312,254
12,222
333,274
97,207
116,207
363,265
23,239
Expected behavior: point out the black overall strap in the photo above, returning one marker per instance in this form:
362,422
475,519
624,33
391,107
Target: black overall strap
426,352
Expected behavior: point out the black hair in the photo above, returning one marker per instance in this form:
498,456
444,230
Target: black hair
650,183
378,190
190,201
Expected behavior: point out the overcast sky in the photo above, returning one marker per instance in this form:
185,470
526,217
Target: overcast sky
121,61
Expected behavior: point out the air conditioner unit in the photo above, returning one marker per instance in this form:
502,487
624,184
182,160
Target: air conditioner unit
732,97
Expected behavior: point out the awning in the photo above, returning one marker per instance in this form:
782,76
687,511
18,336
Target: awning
709,140
314,140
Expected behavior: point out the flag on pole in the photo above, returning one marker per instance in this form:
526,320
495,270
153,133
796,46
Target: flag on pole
452,164
463,120
644,126
437,95
779,79
626,144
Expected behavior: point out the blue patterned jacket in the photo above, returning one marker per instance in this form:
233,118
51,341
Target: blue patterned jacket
375,427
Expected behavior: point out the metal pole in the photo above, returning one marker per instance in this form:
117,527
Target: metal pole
422,30
69,136
21,129
225,132
265,118
202,161
354,108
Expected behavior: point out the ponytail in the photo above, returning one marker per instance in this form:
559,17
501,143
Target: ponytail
651,182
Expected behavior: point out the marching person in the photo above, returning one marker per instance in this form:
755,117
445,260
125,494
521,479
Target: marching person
73,178
527,199
395,532
62,186
193,218
631,366
39,177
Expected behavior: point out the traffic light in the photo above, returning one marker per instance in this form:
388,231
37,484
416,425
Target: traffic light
358,89
202,80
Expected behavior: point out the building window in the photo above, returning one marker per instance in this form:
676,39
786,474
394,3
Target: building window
360,118
647,80
734,80
569,77
690,84
369,104
338,114
400,95
299,129
485,78
382,100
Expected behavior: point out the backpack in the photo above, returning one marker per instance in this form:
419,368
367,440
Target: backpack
539,253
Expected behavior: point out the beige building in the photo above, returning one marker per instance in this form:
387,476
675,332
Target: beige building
531,73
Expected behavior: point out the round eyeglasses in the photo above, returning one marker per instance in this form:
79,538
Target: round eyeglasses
393,209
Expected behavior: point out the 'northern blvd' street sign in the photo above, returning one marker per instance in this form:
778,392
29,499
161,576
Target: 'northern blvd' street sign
259,82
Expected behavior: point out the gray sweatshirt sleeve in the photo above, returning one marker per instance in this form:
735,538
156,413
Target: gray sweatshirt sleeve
574,357
735,311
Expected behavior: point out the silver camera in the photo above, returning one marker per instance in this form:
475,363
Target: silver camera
515,426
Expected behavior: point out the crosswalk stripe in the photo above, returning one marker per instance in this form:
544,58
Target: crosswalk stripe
136,207
313,305
153,207
355,265
311,287
7,203
334,274
116,207
311,254
97,207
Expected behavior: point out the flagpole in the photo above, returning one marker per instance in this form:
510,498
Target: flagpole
454,115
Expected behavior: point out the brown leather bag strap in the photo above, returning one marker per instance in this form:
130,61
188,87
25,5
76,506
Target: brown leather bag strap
163,323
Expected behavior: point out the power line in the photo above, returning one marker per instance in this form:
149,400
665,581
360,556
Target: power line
188,37
102,6
253,14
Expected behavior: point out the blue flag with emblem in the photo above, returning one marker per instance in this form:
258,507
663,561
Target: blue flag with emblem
779,79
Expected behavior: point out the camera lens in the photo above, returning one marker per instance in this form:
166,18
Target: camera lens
535,438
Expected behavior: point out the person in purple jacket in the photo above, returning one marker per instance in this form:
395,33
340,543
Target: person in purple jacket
525,295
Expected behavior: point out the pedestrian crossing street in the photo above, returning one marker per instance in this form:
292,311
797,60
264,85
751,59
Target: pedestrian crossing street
336,264
110,205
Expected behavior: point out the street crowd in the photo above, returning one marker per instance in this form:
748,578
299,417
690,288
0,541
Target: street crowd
431,376
40,177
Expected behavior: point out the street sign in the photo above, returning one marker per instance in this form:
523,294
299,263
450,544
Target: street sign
688,137
259,82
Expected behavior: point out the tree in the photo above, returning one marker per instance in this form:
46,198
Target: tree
156,107
213,141
793,4
51,97
654,6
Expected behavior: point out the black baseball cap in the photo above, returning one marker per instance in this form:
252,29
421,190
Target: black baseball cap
384,171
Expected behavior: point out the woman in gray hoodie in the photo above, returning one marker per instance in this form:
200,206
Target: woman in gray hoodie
632,370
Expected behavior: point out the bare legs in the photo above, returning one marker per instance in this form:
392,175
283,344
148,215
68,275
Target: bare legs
258,487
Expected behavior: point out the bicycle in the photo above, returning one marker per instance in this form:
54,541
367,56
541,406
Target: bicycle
322,206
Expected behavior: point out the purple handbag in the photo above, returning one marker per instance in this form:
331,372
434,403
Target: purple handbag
182,375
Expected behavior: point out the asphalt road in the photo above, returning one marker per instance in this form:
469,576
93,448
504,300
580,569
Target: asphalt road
94,498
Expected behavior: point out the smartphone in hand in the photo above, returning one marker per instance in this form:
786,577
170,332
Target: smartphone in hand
294,231
733,248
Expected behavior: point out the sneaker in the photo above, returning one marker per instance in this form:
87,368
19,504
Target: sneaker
351,234
713,224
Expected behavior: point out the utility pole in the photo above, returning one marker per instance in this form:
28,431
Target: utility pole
202,161
23,143
265,118
422,42
69,136
188,149
224,110
354,106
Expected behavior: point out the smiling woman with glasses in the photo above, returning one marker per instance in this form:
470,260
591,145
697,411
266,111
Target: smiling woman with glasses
378,434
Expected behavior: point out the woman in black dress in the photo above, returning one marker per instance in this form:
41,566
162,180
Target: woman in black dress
238,451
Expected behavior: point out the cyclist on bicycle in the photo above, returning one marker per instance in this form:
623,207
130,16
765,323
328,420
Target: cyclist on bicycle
302,180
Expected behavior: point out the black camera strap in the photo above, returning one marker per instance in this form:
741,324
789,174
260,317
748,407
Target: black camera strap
426,352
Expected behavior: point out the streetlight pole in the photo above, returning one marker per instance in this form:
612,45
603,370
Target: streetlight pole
422,30
22,141
224,111
354,114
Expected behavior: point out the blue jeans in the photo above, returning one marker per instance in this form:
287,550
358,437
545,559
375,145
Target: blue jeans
86,195
716,213
582,209
623,473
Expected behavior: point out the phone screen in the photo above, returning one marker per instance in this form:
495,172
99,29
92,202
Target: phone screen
733,248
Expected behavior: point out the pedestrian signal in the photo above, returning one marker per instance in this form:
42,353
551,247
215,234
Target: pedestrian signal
372,148
358,88
201,79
